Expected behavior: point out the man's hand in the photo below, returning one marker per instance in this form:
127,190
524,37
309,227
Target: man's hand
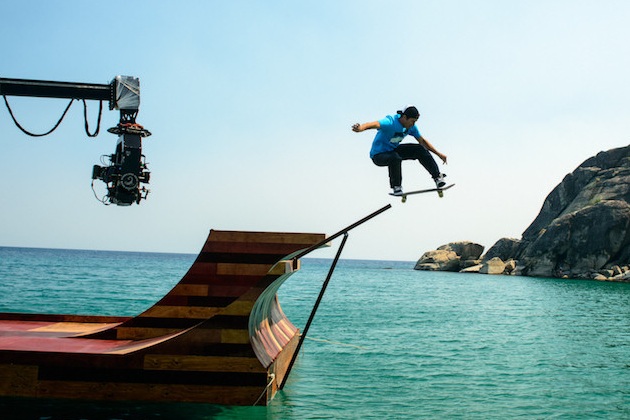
357,128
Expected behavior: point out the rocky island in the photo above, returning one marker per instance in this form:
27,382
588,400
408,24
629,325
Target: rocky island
582,230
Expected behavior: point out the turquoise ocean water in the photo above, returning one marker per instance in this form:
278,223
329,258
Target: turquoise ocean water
387,341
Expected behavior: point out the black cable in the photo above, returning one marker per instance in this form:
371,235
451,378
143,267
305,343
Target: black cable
85,117
98,125
102,200
28,132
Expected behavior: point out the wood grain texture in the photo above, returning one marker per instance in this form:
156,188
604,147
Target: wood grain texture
216,337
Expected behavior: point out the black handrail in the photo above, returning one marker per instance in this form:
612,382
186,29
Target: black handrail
341,232
312,316
308,250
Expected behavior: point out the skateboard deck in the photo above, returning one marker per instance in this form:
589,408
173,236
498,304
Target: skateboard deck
439,191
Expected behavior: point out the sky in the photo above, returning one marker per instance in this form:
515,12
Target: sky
251,105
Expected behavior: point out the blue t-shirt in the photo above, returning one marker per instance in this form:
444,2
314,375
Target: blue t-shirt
391,133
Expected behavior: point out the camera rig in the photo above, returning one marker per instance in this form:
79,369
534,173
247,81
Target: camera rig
125,170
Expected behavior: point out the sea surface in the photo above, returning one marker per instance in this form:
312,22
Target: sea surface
387,342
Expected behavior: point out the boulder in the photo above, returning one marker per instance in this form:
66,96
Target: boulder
623,277
510,267
465,249
492,266
580,241
584,224
471,269
468,263
453,256
602,177
504,248
438,260
582,230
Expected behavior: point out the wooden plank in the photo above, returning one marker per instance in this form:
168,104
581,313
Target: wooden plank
233,280
190,290
234,336
240,307
226,395
202,363
282,267
267,237
202,269
198,312
59,345
257,252
281,364
184,341
73,327
243,254
134,333
243,269
229,291
15,325
10,316
18,380
197,301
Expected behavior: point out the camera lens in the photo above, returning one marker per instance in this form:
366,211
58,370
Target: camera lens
129,181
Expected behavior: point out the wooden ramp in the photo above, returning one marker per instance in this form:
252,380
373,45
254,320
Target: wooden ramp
219,336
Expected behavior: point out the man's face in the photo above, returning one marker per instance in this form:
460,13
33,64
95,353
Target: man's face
407,122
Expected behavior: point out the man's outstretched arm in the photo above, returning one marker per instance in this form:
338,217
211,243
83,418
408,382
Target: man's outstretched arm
357,128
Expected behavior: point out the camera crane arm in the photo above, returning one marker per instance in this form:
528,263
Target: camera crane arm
50,89
127,168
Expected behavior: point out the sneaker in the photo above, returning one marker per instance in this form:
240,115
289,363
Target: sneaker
398,191
439,180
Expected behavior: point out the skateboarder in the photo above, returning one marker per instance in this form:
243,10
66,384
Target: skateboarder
387,149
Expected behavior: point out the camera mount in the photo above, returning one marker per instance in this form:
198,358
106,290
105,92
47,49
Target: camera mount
127,168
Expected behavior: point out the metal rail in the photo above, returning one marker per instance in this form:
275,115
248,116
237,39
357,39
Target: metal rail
343,232
314,311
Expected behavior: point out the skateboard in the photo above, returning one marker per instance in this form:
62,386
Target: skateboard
440,192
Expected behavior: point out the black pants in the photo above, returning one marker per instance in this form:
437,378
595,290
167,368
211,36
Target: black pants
408,151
